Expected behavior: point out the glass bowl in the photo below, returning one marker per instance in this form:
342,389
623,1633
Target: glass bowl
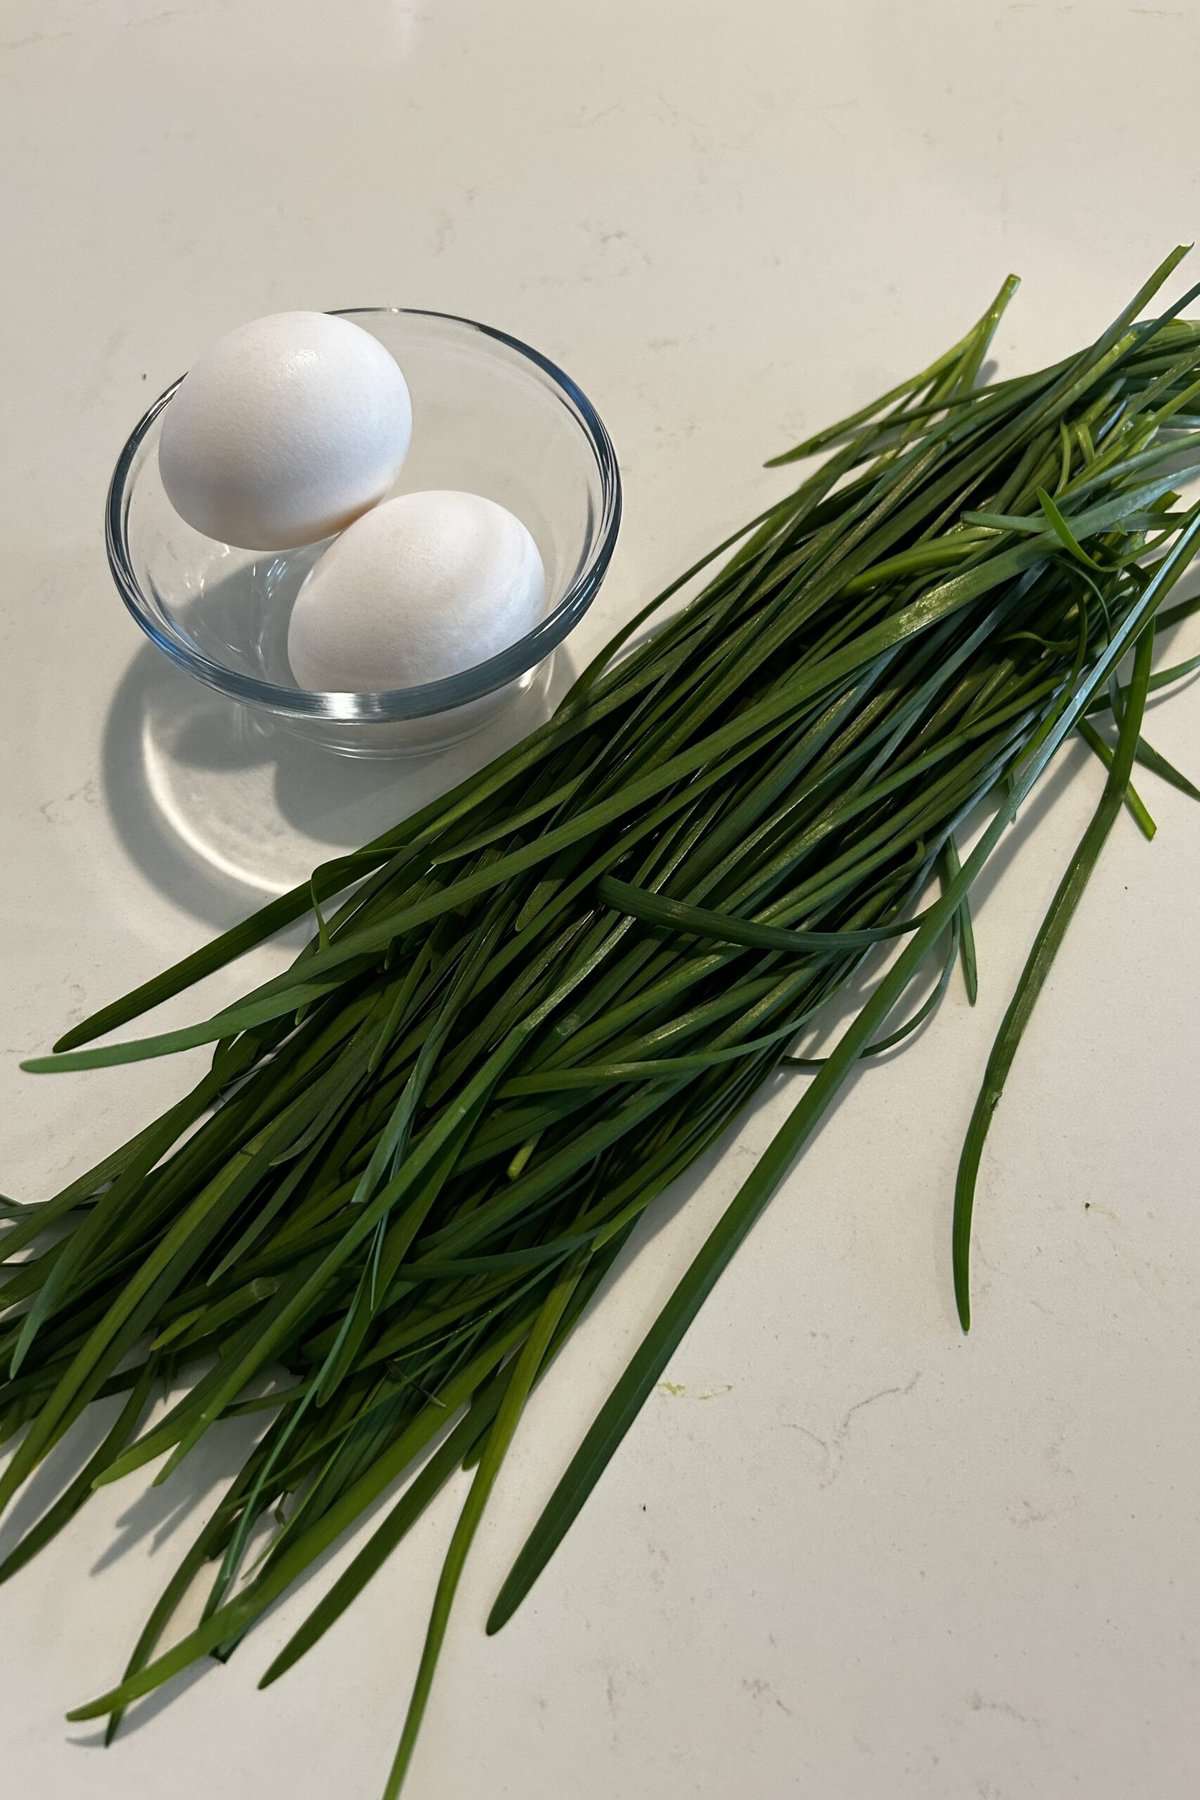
490,415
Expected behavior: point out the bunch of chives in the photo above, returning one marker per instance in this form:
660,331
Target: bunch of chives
416,1154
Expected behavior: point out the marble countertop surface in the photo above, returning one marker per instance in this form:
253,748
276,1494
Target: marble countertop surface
845,1553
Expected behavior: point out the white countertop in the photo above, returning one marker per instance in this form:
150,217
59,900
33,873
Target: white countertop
847,1555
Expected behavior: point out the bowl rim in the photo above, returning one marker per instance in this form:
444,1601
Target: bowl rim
430,697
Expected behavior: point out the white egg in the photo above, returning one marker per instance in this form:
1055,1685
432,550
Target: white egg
284,431
424,586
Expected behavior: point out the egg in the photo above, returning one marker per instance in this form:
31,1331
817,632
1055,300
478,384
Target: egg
284,431
423,586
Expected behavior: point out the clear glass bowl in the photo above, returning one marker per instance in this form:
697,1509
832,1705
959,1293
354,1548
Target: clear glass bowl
490,415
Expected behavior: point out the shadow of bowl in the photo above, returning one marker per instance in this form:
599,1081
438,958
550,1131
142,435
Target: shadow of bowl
222,808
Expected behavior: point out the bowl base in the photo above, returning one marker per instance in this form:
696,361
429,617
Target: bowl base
386,739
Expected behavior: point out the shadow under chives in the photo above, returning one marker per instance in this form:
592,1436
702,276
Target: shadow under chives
158,1513
301,1594
60,1468
145,1711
